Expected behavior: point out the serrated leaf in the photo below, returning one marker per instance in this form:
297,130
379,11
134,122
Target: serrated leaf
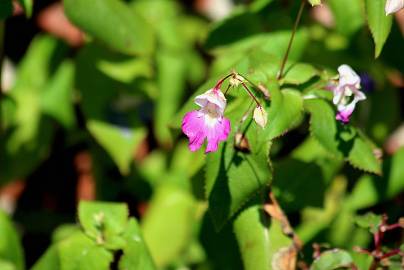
104,222
379,23
10,247
113,23
119,142
135,254
343,141
232,176
167,224
331,260
284,113
262,243
370,190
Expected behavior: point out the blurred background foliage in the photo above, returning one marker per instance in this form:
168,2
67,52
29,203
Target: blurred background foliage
93,94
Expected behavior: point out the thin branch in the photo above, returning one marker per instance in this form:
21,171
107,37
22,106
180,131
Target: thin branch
285,58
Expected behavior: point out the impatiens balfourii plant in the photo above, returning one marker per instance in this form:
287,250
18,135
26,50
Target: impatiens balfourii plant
284,137
209,122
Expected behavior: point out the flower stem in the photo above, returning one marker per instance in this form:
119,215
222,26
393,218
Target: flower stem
251,94
285,58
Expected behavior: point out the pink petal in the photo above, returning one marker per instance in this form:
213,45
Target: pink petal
217,133
193,125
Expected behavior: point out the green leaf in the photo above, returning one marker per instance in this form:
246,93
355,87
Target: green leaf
332,259
120,143
370,190
379,23
315,2
27,141
5,265
221,247
167,224
348,15
77,252
27,6
343,141
171,83
10,247
135,253
64,231
369,221
57,99
113,23
233,176
299,73
262,243
6,10
316,220
284,113
104,222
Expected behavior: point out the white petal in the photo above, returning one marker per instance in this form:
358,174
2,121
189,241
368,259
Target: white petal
347,76
212,96
337,95
393,6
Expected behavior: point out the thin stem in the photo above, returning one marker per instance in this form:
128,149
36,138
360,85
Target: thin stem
390,254
244,117
228,87
219,83
251,94
285,58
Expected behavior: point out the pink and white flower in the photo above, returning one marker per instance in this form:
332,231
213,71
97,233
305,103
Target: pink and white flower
393,6
346,93
208,122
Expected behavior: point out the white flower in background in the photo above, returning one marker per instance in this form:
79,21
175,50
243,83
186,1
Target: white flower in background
393,6
346,92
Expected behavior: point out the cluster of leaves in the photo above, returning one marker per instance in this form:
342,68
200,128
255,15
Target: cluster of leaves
134,73
105,230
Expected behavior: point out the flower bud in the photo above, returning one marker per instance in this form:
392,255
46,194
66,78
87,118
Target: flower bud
260,116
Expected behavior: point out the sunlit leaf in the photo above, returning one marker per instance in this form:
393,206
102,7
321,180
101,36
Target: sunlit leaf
331,260
119,142
261,240
167,224
104,222
135,254
379,23
341,140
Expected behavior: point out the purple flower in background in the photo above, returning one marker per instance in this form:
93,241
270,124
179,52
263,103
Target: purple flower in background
367,83
208,122
346,93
